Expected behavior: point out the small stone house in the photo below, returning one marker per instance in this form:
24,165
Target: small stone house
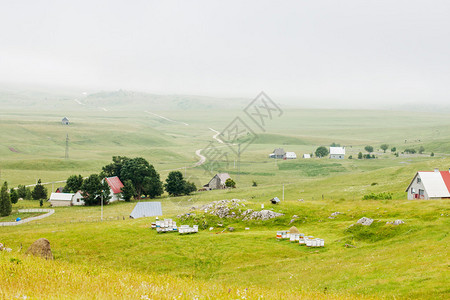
66,199
217,182
278,153
65,121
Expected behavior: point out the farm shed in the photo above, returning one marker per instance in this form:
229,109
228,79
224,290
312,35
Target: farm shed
278,153
275,200
429,185
61,199
306,155
65,121
115,186
337,152
146,209
217,182
290,155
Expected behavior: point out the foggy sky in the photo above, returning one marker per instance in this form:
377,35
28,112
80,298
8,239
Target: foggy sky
344,51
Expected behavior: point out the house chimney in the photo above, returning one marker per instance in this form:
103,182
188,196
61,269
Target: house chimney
437,170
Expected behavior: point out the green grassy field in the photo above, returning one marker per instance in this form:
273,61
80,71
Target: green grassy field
406,261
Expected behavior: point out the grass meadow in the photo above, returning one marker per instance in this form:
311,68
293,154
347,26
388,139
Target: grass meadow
122,258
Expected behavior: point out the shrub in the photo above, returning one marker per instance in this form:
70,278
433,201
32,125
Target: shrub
380,196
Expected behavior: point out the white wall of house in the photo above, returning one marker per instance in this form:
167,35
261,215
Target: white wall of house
337,156
77,199
417,188
56,203
114,197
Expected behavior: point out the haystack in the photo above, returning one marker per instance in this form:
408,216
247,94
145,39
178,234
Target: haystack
41,248
293,229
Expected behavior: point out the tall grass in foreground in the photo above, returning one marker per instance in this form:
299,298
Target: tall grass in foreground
23,277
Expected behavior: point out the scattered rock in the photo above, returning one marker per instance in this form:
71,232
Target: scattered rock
211,228
293,229
331,218
263,215
294,217
365,221
396,222
247,228
7,249
301,200
41,248
231,229
335,214
349,246
292,221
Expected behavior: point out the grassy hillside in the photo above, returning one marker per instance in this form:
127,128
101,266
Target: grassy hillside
128,260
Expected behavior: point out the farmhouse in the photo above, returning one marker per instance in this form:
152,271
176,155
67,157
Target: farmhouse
217,182
278,153
430,185
65,121
306,155
66,199
337,152
290,155
115,186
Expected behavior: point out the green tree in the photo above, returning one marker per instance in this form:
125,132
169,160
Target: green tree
175,184
360,155
384,147
115,168
189,187
13,196
335,145
93,189
393,149
229,183
39,191
23,192
5,201
432,154
321,151
368,148
421,150
73,184
152,186
136,170
128,191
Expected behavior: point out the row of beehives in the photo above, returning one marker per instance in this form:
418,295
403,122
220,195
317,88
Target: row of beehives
300,238
167,225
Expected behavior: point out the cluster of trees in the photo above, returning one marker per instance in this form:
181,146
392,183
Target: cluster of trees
138,176
365,156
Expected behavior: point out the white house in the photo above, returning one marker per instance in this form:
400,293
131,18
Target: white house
77,199
115,186
66,199
337,152
430,185
290,155
306,155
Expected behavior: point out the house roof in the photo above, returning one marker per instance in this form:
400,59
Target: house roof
223,177
279,151
65,119
146,209
61,197
337,150
115,184
436,183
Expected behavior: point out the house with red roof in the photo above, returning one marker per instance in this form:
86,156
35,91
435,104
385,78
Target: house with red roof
430,185
115,186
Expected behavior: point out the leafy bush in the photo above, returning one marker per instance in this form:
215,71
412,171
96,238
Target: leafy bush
380,196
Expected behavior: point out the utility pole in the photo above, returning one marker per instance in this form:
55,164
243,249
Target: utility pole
239,161
283,191
67,147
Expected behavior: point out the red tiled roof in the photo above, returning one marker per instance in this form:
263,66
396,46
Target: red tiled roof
446,177
115,184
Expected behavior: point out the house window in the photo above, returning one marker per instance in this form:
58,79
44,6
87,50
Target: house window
421,192
413,191
418,180
78,200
